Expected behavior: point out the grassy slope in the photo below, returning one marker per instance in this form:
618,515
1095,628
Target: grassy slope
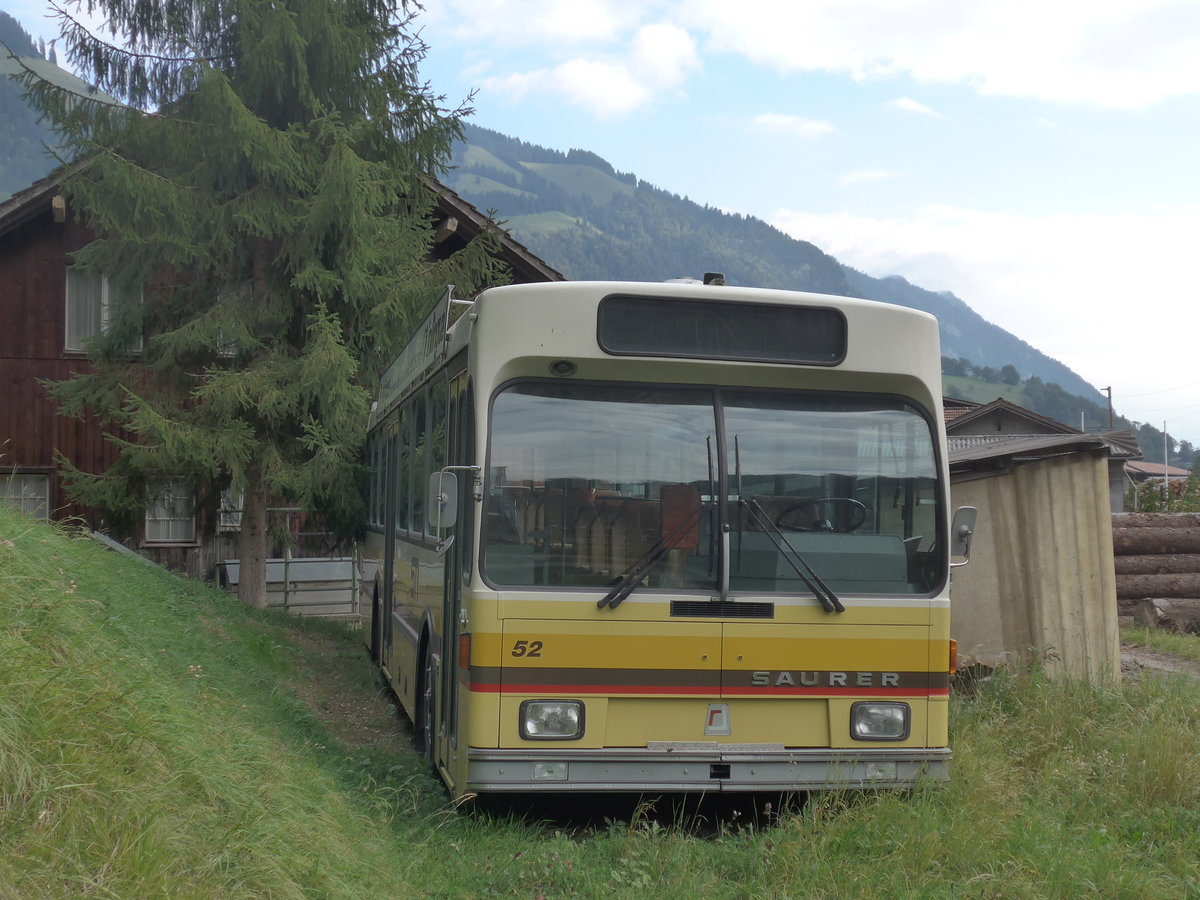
544,223
586,180
475,182
46,70
145,749
152,745
476,157
982,391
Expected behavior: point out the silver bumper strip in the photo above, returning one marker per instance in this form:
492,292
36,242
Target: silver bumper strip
701,767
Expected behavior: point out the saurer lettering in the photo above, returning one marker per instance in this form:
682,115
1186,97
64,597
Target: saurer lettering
825,679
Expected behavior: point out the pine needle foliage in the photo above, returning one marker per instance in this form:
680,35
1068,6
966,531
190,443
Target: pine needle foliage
260,175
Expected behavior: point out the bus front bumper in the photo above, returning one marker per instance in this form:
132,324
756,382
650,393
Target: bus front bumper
715,767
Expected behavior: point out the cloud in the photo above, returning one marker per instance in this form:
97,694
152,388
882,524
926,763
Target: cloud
793,126
526,23
907,104
606,88
1076,287
866,176
656,62
1116,54
663,55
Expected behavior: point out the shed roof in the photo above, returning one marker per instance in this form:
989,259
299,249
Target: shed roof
972,451
1155,470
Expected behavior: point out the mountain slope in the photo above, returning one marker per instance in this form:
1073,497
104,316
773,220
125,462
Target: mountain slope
592,222
968,335
22,135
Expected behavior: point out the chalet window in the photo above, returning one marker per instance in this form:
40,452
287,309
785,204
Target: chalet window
226,348
229,516
89,300
28,493
171,515
238,296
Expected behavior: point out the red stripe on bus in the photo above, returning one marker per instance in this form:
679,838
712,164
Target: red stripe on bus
616,691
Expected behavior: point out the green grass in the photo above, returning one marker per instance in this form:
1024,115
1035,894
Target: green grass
464,183
476,157
147,748
153,744
582,179
544,223
1163,641
983,391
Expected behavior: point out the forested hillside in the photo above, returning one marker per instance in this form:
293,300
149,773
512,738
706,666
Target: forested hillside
967,335
23,156
593,222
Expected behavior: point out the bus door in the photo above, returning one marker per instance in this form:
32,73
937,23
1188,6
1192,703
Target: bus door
383,606
457,565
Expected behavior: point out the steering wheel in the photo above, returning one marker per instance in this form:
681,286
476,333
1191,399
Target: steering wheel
821,515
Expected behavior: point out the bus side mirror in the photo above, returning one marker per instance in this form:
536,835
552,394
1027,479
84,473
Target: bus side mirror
962,529
441,501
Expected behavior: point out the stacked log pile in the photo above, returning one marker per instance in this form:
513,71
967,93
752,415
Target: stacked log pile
1157,559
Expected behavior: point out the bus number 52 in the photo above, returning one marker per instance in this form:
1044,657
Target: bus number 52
527,648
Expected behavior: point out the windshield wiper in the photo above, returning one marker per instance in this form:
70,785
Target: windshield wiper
629,580
828,599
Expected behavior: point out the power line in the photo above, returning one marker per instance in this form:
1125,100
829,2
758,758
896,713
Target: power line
1193,407
1163,391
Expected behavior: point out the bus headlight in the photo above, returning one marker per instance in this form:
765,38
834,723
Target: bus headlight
551,720
873,720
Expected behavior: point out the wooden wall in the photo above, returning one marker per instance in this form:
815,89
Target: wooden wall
33,263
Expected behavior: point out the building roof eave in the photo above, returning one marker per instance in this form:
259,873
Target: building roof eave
26,205
36,199
1001,405
970,452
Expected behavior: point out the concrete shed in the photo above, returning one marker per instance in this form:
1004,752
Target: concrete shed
1040,586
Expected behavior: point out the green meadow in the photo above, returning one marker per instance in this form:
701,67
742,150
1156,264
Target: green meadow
157,739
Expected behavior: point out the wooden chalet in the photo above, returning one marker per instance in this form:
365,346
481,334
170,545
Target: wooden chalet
47,311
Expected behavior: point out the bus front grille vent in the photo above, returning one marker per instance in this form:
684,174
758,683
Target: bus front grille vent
724,609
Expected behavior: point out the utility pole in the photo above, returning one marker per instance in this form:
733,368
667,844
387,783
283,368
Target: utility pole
1110,415
1166,471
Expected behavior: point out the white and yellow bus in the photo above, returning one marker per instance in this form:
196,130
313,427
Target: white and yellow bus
665,537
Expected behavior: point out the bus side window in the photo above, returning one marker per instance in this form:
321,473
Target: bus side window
403,451
437,430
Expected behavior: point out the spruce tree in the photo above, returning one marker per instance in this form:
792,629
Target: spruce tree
262,194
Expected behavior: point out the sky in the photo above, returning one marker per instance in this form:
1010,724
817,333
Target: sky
1038,158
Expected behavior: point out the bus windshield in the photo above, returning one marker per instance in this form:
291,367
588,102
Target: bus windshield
587,481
